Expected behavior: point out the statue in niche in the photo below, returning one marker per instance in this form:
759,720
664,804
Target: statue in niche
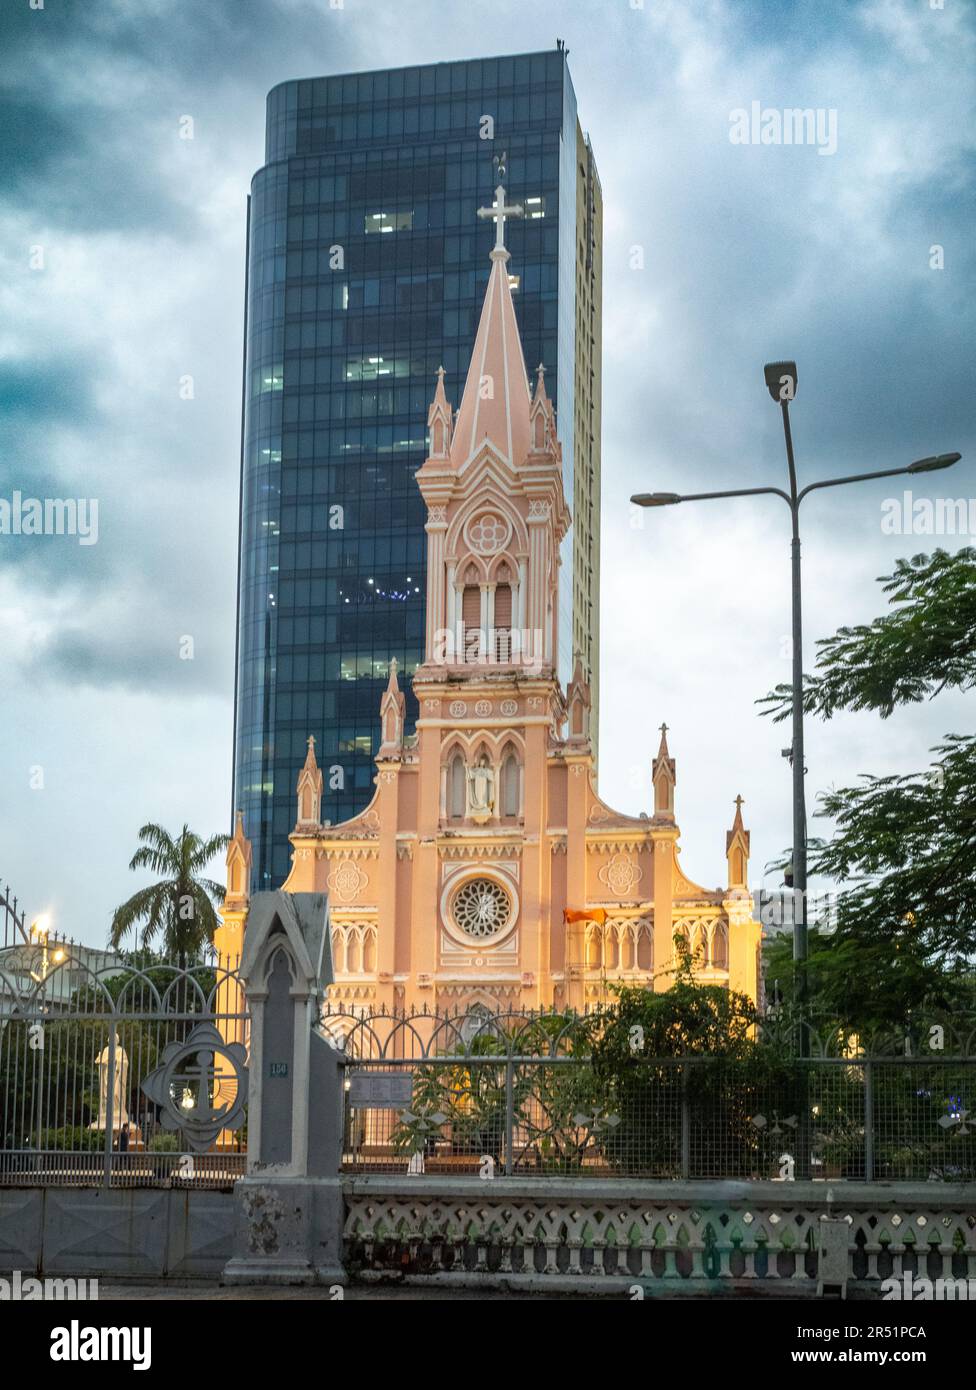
481,790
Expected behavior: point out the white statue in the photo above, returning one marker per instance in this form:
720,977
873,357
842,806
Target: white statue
481,790
120,1117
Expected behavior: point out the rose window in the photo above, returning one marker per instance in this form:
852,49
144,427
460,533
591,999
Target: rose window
481,908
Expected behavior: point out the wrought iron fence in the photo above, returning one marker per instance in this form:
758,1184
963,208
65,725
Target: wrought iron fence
537,1095
132,1073
12,916
126,1072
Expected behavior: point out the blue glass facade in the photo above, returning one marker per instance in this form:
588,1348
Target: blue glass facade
367,267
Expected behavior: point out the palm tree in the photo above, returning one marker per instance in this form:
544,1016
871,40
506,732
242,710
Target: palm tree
181,905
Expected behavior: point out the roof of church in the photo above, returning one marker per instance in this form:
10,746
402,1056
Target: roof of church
495,403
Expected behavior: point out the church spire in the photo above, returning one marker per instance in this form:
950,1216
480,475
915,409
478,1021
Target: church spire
542,417
737,849
496,511
664,777
310,790
392,710
440,421
578,704
238,867
495,403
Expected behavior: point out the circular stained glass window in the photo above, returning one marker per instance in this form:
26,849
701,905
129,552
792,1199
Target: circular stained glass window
481,907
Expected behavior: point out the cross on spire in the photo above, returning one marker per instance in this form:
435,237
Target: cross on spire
498,211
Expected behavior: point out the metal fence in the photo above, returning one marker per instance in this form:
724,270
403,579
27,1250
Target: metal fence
129,1072
539,1095
126,1072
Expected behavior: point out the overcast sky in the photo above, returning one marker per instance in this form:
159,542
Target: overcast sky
749,253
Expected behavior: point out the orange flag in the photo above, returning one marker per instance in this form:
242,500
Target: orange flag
596,914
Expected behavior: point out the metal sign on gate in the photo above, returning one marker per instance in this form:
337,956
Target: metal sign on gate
374,1090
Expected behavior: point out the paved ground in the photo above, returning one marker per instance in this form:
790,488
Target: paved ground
170,1290
167,1291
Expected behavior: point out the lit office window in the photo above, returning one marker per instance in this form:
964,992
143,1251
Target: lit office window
388,222
535,207
270,379
373,368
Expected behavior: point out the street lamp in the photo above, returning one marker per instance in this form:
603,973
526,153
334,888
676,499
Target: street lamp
40,929
781,379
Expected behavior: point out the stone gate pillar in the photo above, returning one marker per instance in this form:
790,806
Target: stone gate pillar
289,1206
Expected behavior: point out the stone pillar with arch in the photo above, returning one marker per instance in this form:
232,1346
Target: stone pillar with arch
289,1206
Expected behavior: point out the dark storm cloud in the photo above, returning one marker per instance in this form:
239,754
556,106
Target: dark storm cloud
83,167
118,78
46,392
120,651
201,47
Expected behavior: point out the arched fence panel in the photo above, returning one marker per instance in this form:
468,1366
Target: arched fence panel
129,1072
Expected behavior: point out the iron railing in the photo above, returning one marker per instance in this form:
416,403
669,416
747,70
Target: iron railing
536,1095
80,1034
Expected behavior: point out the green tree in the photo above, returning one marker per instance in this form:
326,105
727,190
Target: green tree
181,908
903,847
689,1049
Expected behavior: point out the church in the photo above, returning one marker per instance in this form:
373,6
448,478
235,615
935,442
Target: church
486,873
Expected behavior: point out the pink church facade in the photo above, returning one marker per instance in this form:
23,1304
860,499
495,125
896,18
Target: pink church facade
486,870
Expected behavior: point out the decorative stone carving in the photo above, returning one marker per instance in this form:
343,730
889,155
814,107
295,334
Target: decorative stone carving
458,709
488,533
621,874
346,880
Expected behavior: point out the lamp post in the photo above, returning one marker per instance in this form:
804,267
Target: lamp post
781,381
39,931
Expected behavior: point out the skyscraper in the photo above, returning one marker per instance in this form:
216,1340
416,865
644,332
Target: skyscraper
366,272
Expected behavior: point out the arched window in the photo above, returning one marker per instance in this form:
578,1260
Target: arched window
510,786
471,621
456,788
720,947
503,622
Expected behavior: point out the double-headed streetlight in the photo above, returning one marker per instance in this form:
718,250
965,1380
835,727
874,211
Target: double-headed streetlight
781,383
